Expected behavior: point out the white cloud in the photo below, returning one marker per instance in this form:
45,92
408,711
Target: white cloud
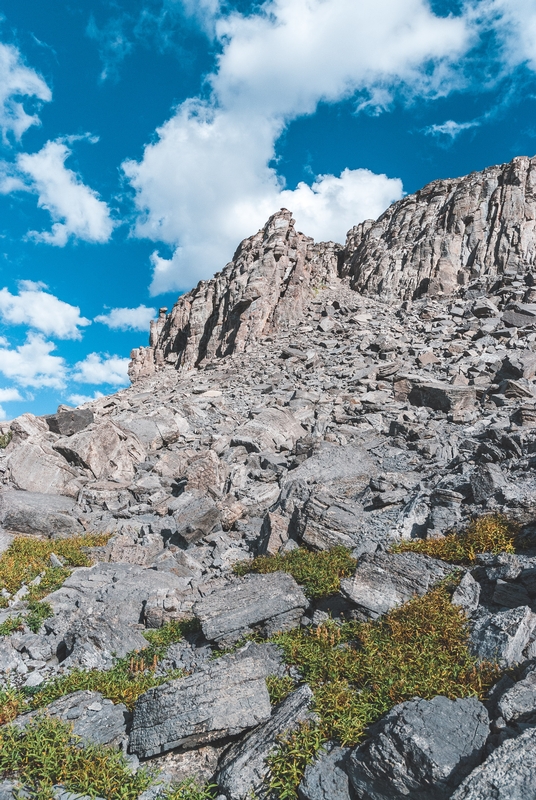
75,208
32,364
9,395
80,399
329,208
450,128
97,368
16,82
514,25
206,182
41,310
128,319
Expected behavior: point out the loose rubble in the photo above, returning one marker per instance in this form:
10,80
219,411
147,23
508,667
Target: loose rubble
310,394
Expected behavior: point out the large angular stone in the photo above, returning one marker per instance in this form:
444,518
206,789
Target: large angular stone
272,602
195,515
32,512
519,703
385,580
272,429
509,773
94,718
434,394
242,771
105,449
222,700
502,637
35,467
67,423
421,749
327,777
156,429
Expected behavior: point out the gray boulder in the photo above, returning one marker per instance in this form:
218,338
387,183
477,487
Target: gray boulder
222,700
243,769
156,429
195,515
33,512
421,749
67,423
34,466
271,429
327,777
93,642
509,773
93,718
272,602
105,449
467,594
519,702
502,637
385,580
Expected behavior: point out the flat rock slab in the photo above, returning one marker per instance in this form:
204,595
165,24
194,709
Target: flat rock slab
224,699
67,423
93,718
272,602
519,703
105,449
421,749
509,773
386,580
195,515
327,777
272,429
502,637
33,512
243,769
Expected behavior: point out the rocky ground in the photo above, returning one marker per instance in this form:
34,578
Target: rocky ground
303,398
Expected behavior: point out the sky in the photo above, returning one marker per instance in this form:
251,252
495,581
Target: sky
142,140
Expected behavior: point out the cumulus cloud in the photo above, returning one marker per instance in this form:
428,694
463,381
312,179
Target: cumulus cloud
128,319
42,311
74,207
450,128
80,399
97,368
9,394
31,364
18,81
514,26
205,183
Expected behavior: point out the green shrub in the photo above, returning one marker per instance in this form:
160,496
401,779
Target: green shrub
358,671
319,573
191,790
45,753
279,688
39,612
11,625
5,439
489,534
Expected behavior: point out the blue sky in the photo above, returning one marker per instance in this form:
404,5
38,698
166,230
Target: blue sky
141,140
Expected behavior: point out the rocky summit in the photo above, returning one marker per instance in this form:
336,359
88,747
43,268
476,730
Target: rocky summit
365,402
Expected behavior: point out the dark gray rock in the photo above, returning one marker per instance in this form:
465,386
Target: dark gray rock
93,642
243,769
486,482
421,749
327,777
509,773
33,512
222,700
502,637
441,397
385,580
271,603
93,718
67,423
510,595
518,703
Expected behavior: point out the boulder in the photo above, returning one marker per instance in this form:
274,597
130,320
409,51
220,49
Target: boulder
434,394
105,449
385,580
35,467
518,703
195,515
421,749
95,719
467,594
502,637
156,429
327,777
271,603
221,700
67,423
271,429
243,769
33,512
94,642
509,773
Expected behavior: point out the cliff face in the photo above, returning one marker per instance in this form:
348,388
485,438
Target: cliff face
452,232
474,231
265,288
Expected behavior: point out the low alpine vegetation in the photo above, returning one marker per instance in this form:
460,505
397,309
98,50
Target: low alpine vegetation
319,573
359,671
492,533
45,753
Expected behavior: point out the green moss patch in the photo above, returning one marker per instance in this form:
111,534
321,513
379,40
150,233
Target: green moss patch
319,573
489,534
